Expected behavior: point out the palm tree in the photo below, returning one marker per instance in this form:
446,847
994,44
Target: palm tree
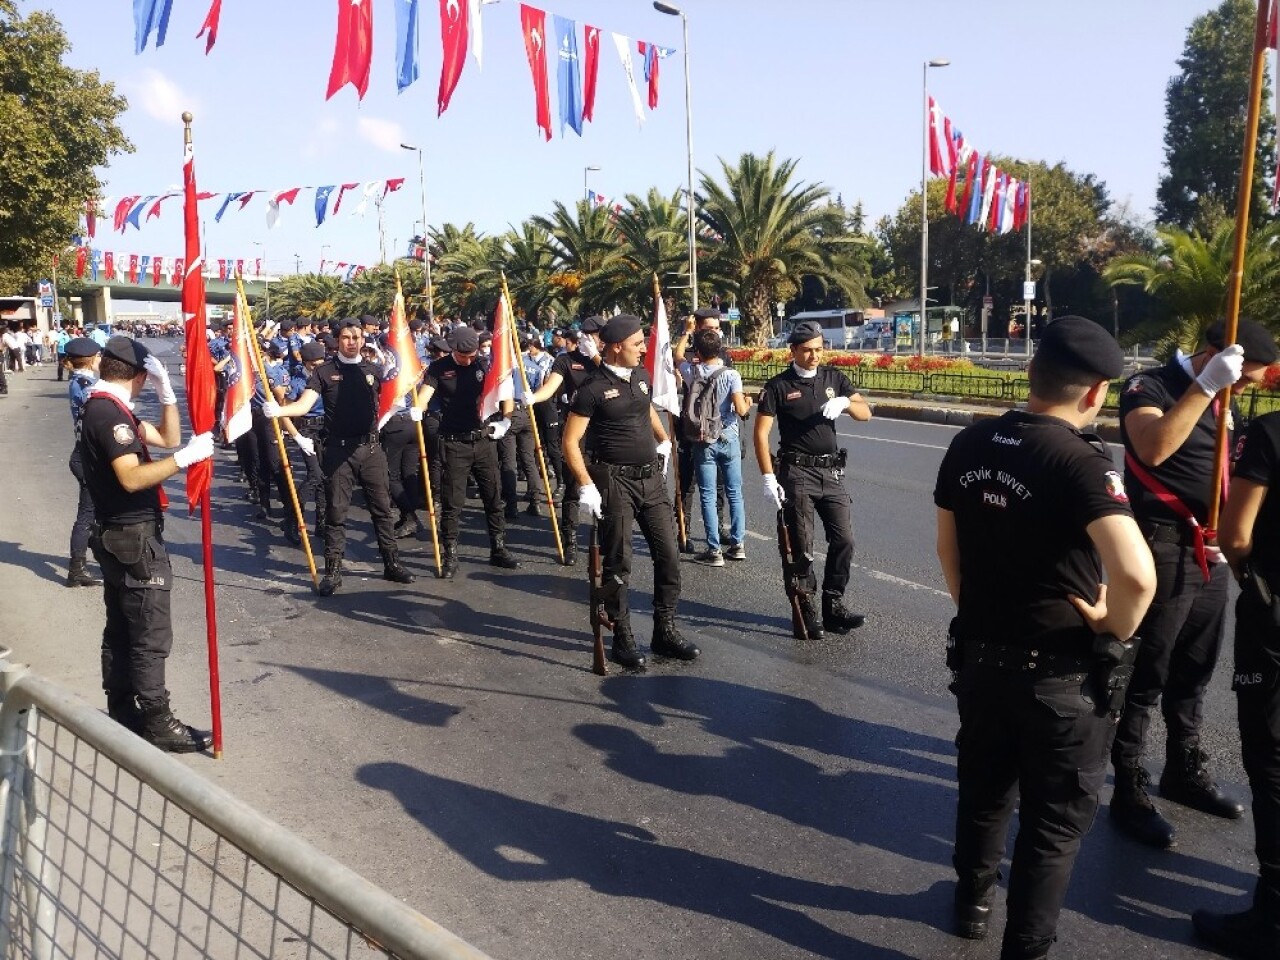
530,262
312,295
774,232
652,241
466,277
580,242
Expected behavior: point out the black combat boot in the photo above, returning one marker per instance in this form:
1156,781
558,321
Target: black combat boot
332,577
812,622
624,652
291,533
1186,781
1132,811
78,575
836,617
569,541
394,570
163,730
531,508
407,525
512,511
972,910
124,710
449,562
1253,934
668,641
500,556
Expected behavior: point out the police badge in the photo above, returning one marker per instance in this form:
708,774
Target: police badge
368,378
831,393
479,374
644,388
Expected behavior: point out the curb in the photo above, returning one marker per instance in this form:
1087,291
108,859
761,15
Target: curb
947,416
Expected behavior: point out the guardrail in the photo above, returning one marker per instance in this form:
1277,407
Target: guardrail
111,848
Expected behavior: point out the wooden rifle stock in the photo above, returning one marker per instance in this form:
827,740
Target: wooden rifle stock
789,578
599,618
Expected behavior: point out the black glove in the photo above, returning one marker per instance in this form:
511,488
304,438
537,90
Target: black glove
1112,669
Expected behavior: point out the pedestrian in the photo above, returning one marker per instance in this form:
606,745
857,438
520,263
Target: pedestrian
81,356
12,349
806,399
468,446
1039,648
625,482
1168,423
516,454
352,453
1249,535
125,485
704,318
60,350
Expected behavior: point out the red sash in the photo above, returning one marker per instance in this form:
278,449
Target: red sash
1174,503
137,426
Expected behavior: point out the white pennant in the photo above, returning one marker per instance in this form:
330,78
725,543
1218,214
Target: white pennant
477,33
624,52
369,189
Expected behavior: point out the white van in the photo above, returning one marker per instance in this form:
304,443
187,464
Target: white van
841,329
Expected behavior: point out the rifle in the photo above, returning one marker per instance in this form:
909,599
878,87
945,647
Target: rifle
791,579
597,614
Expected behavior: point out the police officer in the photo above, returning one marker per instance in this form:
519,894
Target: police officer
124,483
1040,646
467,446
537,364
516,447
625,481
1249,535
1168,422
267,454
349,388
307,432
81,355
806,399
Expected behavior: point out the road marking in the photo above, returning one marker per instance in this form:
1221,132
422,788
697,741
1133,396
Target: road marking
905,443
874,574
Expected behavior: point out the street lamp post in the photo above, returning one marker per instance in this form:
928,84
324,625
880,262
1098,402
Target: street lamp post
586,193
297,263
1026,286
924,204
668,9
426,231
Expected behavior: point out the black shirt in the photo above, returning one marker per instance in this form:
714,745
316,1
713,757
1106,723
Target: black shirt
797,403
107,433
1188,473
575,369
621,430
1023,488
349,392
459,389
1260,462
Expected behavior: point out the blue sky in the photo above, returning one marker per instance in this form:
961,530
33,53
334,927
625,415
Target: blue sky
835,84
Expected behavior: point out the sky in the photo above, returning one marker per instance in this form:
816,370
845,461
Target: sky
834,84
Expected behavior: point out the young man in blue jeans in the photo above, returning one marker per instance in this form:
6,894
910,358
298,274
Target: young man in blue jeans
723,456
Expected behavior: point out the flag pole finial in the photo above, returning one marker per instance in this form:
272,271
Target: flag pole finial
186,127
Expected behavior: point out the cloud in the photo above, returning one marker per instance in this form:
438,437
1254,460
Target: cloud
322,138
384,134
161,98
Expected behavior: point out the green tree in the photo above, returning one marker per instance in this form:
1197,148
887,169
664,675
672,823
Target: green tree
653,241
312,295
59,125
580,241
532,274
468,279
1206,106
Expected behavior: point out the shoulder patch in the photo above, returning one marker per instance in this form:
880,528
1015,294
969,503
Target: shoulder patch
1135,384
644,387
1115,486
123,434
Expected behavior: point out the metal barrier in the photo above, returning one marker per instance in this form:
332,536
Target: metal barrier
111,848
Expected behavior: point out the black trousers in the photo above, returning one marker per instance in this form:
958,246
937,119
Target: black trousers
313,487
267,457
61,359
460,459
1181,637
647,502
247,457
1037,739
548,418
345,465
517,444
138,634
821,490
83,522
4,380
1257,685
400,442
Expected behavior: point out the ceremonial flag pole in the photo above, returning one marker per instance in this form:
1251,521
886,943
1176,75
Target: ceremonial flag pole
1235,281
533,420
666,392
201,401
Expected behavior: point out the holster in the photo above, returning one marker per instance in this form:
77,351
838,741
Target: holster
129,546
1112,670
1256,587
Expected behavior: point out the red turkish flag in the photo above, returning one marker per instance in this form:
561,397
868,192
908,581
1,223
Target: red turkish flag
591,69
353,48
341,190
157,268
404,369
82,256
133,268
534,23
453,38
109,264
211,25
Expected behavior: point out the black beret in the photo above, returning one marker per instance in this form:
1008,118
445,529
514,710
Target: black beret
366,320
312,351
82,347
463,340
1259,345
1077,343
416,325
127,350
346,324
288,324
707,313
384,324
592,324
328,341
620,327
804,332
439,344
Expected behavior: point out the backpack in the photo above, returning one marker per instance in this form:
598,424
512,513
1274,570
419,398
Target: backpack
700,415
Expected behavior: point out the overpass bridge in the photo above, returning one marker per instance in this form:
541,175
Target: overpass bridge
98,295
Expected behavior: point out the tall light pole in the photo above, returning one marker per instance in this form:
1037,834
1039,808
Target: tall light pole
586,193
426,231
1028,289
924,203
688,135
297,263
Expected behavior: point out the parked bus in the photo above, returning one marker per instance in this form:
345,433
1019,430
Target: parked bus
841,329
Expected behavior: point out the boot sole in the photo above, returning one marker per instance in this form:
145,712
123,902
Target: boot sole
1223,813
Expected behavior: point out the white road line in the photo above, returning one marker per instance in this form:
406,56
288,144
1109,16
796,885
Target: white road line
874,574
905,443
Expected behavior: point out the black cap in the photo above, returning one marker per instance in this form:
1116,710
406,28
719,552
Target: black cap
438,344
345,324
312,351
620,327
804,332
1077,343
368,320
592,324
127,350
1259,345
82,347
463,340
327,339
416,325
707,313
288,324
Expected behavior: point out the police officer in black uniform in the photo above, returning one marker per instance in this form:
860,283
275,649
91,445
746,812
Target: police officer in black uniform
1168,422
806,399
468,446
625,481
1031,512
81,355
128,541
515,449
1249,535
308,433
349,388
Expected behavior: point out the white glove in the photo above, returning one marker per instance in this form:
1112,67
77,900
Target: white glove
587,346
199,447
664,451
1223,369
415,413
590,503
834,407
498,429
773,495
306,445
271,409
158,374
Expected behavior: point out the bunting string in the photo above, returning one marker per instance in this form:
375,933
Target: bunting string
978,191
110,266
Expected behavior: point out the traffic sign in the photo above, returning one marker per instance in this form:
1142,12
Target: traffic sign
733,313
988,301
1028,289
46,293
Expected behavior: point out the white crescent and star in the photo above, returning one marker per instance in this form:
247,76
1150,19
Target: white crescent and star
452,9
536,35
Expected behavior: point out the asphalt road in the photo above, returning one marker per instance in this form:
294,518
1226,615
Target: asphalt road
448,741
